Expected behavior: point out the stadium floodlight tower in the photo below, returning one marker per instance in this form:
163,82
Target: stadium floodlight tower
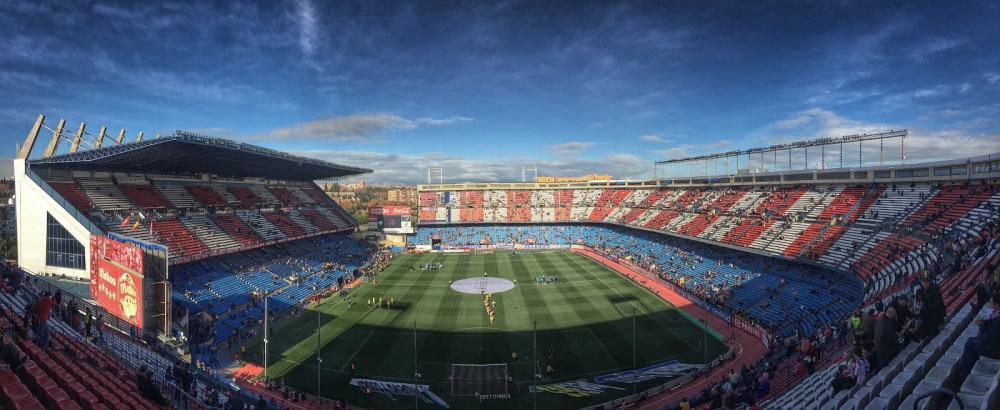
529,168
440,173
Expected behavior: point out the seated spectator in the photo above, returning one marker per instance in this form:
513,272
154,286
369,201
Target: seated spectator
147,386
8,353
854,372
987,343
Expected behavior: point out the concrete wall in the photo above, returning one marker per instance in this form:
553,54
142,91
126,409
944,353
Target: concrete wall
33,204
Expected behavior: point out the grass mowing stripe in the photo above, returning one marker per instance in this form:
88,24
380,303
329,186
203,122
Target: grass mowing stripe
637,307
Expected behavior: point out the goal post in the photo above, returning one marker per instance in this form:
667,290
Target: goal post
478,379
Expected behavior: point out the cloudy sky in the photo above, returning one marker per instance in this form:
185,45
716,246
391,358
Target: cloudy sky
482,88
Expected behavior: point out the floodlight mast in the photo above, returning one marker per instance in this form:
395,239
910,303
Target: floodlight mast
529,168
440,174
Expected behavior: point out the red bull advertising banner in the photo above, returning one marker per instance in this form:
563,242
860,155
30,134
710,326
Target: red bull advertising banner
115,278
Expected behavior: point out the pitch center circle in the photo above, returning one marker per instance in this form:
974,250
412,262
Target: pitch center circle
482,285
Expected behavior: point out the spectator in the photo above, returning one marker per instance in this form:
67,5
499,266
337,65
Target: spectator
147,386
886,339
902,306
932,310
9,354
853,373
43,308
868,322
987,342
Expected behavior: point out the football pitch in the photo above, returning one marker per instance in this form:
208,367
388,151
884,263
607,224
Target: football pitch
581,325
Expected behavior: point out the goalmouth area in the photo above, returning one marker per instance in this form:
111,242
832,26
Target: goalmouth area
565,311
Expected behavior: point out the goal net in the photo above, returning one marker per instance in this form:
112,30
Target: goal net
478,379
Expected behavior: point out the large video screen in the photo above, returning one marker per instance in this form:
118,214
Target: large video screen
390,219
116,278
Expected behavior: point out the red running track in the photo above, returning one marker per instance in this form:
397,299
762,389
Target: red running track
748,348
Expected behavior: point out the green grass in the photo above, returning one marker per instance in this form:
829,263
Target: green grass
587,316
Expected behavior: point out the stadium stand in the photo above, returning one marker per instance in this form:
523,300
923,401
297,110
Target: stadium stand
73,194
105,194
885,235
237,229
207,195
143,195
178,196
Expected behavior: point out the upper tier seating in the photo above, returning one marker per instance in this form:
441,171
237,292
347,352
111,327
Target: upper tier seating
180,240
264,194
306,197
286,224
227,196
144,195
284,195
207,195
237,229
262,226
318,219
105,194
178,196
210,234
246,195
72,193
303,222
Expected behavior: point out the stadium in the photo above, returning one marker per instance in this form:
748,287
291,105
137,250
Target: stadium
627,205
600,293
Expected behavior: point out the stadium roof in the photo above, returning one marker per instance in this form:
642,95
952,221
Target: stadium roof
187,153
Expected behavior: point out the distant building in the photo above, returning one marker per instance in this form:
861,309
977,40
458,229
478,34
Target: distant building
351,187
8,222
585,178
341,196
402,194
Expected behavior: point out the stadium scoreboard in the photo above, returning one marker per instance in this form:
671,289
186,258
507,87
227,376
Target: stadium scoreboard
392,220
126,279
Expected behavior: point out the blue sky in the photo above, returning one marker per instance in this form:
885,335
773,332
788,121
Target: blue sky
482,88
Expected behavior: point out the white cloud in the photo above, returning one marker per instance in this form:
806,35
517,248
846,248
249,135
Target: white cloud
652,138
306,20
354,127
569,148
443,121
992,77
933,46
406,169
793,122
680,151
932,92
716,145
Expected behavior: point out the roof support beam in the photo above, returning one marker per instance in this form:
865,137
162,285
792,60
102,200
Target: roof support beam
121,136
139,138
54,142
100,137
29,142
79,137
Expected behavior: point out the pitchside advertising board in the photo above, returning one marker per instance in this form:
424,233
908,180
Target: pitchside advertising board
116,279
390,219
